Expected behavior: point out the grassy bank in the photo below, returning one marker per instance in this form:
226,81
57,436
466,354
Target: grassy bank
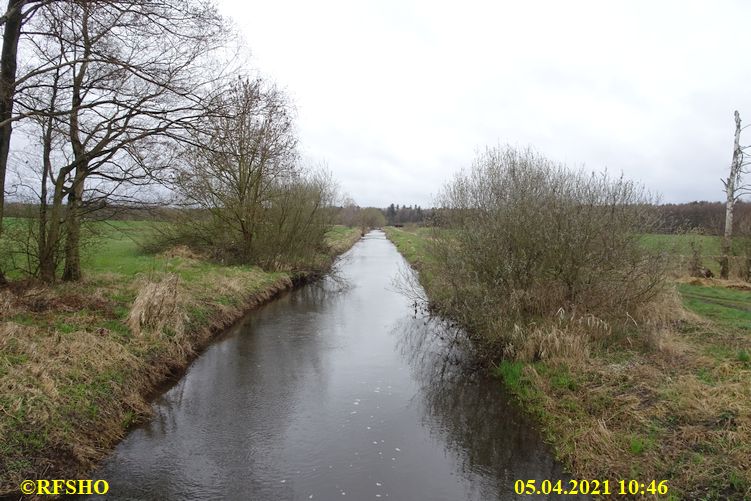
78,361
647,405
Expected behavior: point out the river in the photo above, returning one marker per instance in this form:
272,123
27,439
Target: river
337,390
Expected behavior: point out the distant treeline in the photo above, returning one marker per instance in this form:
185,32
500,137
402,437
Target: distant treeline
705,217
396,215
350,214
102,211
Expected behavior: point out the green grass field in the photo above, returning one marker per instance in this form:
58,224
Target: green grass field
107,246
730,307
117,247
412,243
726,306
681,247
681,244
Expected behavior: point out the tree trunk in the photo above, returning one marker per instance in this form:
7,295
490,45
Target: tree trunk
11,34
72,270
49,223
47,265
48,253
730,187
43,213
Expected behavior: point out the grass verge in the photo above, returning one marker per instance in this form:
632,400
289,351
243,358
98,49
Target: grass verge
79,361
646,405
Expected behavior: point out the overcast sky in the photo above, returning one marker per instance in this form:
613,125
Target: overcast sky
396,95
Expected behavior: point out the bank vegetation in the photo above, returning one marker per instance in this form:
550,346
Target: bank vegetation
632,371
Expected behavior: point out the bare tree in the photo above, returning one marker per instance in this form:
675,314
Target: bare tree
349,211
251,199
734,190
245,152
128,84
17,13
294,224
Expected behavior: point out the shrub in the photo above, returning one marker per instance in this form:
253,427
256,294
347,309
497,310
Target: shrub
287,230
521,238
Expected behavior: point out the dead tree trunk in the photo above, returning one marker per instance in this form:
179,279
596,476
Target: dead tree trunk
731,185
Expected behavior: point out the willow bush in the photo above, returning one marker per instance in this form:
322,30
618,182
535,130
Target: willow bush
521,239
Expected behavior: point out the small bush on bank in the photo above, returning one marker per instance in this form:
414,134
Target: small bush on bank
521,238
287,233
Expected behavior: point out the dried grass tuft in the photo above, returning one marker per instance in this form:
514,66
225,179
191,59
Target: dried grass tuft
549,342
184,252
663,311
664,341
7,303
157,306
732,283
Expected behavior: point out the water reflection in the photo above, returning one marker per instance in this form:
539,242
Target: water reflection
334,391
469,412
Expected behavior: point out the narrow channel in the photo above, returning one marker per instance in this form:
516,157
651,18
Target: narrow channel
337,390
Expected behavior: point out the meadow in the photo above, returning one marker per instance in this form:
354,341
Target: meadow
681,246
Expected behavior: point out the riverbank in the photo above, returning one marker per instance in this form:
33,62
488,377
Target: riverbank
79,362
671,405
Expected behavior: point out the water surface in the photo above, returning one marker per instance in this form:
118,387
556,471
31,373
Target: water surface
337,390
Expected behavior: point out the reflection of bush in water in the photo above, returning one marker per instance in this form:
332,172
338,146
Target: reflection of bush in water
469,410
320,292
